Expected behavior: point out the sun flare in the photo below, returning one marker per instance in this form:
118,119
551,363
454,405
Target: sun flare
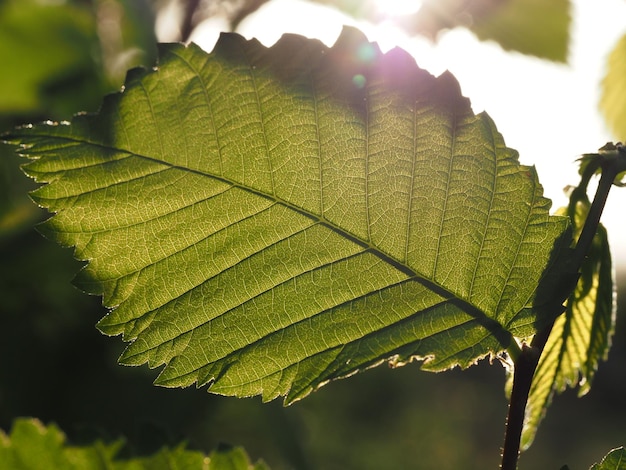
396,8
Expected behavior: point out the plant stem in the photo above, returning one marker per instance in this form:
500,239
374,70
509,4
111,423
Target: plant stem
522,379
593,217
527,362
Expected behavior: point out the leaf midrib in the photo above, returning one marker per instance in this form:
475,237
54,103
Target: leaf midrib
466,306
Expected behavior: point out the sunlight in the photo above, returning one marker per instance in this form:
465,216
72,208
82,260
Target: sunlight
531,100
313,20
396,8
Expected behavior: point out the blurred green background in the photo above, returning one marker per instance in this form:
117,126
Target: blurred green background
59,58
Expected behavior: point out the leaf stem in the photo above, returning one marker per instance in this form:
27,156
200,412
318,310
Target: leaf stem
527,361
593,218
514,351
522,379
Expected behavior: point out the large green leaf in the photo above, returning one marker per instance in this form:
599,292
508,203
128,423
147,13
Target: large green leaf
581,337
265,220
33,446
613,100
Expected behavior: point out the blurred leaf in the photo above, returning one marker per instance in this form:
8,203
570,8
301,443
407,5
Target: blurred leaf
582,336
614,460
265,225
228,458
613,99
33,446
533,27
49,55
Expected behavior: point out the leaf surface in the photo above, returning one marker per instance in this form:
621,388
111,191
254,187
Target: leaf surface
265,220
32,446
580,338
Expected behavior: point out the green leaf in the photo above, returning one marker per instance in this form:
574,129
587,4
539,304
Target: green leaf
613,99
32,446
614,460
265,220
533,27
233,458
581,337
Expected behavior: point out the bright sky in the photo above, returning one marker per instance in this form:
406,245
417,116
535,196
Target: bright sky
548,112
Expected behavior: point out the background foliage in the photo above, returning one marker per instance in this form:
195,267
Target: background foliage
56,366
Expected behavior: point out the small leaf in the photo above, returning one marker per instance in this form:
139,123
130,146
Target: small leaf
613,99
610,155
232,458
33,446
581,337
614,460
264,225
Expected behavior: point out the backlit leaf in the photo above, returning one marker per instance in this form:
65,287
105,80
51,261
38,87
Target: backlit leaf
613,100
33,446
265,220
581,337
533,27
